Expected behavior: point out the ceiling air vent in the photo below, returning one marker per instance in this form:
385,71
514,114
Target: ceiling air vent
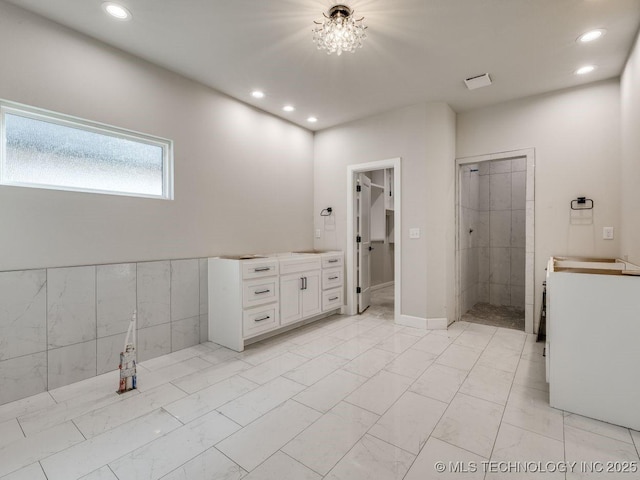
478,81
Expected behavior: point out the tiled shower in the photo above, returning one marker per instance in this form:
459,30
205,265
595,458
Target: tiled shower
62,325
492,233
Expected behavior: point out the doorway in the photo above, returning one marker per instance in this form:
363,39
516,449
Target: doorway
373,237
495,239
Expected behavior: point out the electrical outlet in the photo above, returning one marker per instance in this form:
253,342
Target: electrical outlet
317,233
607,233
414,233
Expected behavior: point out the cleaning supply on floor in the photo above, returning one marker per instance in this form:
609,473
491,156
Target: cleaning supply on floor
128,377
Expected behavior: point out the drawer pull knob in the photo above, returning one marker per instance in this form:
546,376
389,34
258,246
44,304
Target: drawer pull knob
335,260
260,292
333,298
262,319
262,269
333,278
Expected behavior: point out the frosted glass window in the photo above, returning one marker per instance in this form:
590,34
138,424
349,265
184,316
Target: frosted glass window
54,151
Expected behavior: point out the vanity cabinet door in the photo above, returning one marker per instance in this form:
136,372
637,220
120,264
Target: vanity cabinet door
290,298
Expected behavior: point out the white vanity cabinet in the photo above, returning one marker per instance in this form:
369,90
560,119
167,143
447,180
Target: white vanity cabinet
252,296
332,280
243,299
593,329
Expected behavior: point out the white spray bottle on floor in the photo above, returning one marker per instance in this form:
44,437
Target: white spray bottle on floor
128,377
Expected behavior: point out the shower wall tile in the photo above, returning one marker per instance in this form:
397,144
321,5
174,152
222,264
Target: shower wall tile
500,191
108,352
154,293
517,268
499,294
518,220
23,313
71,305
203,265
204,328
185,289
484,196
517,296
185,333
116,297
474,189
500,228
483,236
23,376
483,292
500,266
519,164
500,166
71,364
484,264
518,192
153,342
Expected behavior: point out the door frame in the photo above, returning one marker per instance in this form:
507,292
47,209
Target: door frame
352,170
529,154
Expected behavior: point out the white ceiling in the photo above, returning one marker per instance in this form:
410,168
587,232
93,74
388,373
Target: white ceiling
416,50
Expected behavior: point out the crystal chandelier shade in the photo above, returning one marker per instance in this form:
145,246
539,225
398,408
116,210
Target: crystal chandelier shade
340,31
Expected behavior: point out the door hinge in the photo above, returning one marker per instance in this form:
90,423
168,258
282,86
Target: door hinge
358,290
358,188
358,239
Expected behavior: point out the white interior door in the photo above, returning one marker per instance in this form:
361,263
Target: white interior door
364,242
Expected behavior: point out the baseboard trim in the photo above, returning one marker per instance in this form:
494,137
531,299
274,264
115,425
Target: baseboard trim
382,285
415,322
423,323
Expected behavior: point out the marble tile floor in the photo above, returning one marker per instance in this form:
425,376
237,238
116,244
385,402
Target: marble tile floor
496,316
345,398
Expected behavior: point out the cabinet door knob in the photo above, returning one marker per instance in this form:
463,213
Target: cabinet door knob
262,319
260,292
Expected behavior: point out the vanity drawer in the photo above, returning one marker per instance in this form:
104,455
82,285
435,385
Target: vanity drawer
259,320
331,261
266,268
332,299
259,291
301,263
332,278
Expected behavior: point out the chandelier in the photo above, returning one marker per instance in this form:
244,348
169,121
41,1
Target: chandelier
340,31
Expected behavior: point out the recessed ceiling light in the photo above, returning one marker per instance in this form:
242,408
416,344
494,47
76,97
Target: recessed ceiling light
116,11
312,119
586,69
591,35
257,94
288,108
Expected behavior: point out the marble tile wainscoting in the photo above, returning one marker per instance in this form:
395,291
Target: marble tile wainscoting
62,325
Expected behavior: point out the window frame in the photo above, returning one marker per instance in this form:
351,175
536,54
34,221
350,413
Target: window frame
26,111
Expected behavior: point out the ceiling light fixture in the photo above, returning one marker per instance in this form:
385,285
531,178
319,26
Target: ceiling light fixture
116,11
288,108
339,31
257,94
312,119
591,35
586,69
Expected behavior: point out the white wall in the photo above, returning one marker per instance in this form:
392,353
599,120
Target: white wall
576,136
243,178
630,169
423,135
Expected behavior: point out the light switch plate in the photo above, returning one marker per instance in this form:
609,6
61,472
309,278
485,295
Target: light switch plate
414,233
317,233
607,233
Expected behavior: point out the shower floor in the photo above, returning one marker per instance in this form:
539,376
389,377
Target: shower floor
497,316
